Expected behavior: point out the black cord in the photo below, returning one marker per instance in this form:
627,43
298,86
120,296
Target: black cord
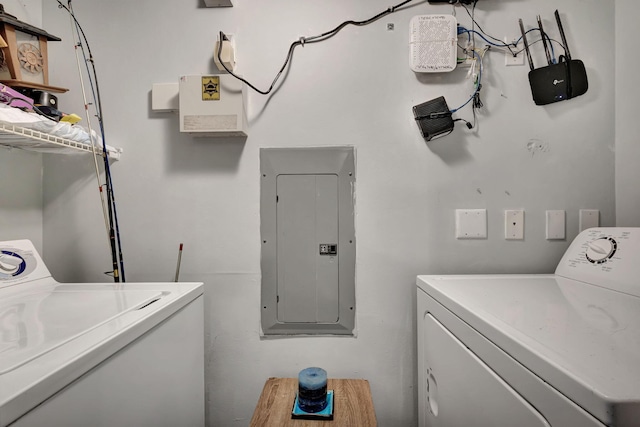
477,103
502,42
302,41
438,115
469,125
9,99
538,41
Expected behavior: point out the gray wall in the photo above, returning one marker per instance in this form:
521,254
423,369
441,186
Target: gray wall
355,89
20,171
627,94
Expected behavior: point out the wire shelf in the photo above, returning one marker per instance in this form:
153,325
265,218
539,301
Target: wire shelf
29,139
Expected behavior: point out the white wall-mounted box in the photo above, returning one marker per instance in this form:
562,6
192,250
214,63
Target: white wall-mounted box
212,106
164,97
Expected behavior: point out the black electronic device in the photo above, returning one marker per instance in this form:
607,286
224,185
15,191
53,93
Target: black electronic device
555,82
433,118
40,97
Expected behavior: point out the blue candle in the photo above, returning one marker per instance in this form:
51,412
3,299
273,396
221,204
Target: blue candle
312,389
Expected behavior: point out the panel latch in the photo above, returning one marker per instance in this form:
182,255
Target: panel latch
328,249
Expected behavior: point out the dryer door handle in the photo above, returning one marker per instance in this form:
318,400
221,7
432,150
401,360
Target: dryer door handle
432,392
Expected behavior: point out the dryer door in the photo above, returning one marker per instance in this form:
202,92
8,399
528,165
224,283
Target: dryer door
457,389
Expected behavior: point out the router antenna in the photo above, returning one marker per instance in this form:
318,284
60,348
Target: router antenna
526,45
564,39
544,41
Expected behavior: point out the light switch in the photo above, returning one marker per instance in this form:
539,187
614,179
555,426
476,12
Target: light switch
471,223
514,225
555,229
589,218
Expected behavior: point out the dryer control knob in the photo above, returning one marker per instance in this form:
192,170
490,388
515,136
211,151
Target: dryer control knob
600,250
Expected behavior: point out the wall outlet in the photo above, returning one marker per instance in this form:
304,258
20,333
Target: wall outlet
509,59
514,225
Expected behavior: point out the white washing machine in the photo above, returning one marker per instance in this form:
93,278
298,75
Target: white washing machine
560,350
97,354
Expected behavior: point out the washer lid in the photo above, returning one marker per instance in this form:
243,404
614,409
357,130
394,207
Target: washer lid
52,333
36,321
582,339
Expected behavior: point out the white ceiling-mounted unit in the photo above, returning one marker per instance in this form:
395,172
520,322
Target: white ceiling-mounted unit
212,106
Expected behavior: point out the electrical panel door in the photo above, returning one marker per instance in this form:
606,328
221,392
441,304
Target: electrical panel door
307,219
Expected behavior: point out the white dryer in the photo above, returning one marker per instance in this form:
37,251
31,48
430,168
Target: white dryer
97,354
560,350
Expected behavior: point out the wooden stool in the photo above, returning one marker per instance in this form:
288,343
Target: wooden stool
353,406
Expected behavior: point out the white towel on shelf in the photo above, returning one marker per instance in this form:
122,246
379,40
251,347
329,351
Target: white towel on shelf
34,121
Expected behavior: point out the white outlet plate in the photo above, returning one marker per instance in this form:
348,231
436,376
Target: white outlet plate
471,223
509,59
514,225
555,229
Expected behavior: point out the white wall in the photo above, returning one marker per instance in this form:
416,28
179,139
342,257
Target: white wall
627,94
20,196
355,89
20,171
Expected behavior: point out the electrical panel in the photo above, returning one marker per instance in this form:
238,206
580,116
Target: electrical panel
212,106
308,240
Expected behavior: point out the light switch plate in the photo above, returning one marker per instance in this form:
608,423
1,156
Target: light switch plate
514,224
471,223
555,229
589,218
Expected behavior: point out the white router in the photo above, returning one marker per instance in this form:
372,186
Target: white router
433,43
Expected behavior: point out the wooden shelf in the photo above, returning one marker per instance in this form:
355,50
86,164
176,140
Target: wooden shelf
31,85
29,139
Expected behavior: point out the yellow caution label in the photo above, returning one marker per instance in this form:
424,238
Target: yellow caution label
210,88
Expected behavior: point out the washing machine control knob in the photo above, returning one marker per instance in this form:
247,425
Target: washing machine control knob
9,263
600,250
